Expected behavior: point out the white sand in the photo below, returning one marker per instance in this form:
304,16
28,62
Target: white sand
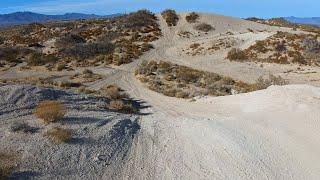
269,134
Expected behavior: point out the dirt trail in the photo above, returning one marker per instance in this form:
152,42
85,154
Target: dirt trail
270,134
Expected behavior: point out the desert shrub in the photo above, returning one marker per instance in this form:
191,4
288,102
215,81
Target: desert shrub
69,40
262,83
120,105
69,84
311,45
9,54
184,82
8,163
87,71
192,17
236,55
50,111
38,59
109,36
113,92
137,20
260,46
204,27
280,47
170,16
2,40
59,135
23,127
61,67
85,51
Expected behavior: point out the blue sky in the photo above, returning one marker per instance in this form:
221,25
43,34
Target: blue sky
238,8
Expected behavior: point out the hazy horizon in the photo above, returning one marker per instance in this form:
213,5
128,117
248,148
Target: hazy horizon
236,8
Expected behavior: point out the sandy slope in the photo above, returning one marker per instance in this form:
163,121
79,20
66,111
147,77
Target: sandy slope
269,134
99,146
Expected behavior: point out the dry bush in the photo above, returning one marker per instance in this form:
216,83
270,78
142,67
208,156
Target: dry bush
68,84
138,20
204,27
50,111
311,45
262,83
113,92
85,51
38,59
61,67
59,135
184,82
69,40
121,106
170,16
192,17
236,55
8,163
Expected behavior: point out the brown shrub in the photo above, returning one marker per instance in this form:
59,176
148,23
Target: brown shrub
204,27
120,105
262,83
170,16
50,111
8,163
236,55
113,92
192,17
59,135
38,59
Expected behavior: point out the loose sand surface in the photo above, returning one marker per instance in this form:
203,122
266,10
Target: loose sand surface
268,134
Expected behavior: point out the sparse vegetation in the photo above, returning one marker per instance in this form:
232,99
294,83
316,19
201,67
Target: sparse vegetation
184,82
285,48
113,92
85,51
38,59
262,83
8,163
122,106
59,135
192,17
170,16
69,40
237,55
204,27
50,111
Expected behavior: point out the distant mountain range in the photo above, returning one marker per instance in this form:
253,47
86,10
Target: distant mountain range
311,21
30,17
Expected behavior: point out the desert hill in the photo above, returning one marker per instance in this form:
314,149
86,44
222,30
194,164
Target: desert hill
165,96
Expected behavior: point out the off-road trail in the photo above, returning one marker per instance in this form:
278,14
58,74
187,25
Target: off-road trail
268,134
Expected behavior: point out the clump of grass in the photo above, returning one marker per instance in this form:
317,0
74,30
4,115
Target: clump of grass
50,111
262,83
8,163
113,92
170,16
204,27
192,17
122,106
59,135
236,55
38,59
